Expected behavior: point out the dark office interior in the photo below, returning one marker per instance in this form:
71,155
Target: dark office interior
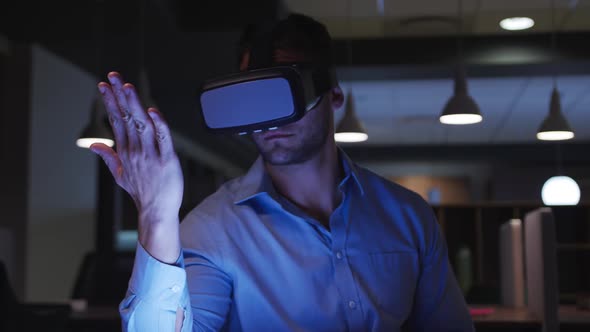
68,233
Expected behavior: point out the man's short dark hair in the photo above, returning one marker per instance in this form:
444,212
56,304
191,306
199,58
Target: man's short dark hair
298,33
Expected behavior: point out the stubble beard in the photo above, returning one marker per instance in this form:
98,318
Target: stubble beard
308,145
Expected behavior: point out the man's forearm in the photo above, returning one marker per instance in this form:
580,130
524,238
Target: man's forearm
160,237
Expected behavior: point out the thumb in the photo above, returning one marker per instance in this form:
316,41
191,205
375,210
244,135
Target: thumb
110,158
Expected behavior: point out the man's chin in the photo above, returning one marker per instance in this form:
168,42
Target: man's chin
278,158
279,154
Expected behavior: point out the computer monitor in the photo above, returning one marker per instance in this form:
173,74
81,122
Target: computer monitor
512,264
541,267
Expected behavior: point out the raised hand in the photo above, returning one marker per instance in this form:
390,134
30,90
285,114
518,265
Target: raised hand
144,165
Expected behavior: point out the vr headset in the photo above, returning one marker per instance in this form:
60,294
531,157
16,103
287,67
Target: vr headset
267,96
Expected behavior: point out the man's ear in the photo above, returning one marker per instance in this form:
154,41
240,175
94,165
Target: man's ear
336,97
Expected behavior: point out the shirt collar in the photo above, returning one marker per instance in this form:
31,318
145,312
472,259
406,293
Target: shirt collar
254,183
350,171
257,181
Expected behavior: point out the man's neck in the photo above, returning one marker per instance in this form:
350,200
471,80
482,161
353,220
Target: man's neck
311,185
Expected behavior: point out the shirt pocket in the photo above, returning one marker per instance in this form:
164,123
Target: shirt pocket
396,274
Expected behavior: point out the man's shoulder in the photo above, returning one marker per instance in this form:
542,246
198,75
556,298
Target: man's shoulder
376,185
222,199
211,219
215,207
405,211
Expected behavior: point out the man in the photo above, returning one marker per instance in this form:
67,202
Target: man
305,241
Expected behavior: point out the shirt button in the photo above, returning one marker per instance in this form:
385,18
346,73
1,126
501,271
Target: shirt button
175,289
338,255
352,305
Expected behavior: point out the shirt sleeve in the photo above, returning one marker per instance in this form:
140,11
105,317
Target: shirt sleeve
439,304
156,290
210,286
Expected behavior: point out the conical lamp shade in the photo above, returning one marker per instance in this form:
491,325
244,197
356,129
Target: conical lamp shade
97,131
555,126
350,129
461,109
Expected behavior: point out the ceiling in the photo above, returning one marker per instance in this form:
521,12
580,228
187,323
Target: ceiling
400,72
378,18
407,111
404,111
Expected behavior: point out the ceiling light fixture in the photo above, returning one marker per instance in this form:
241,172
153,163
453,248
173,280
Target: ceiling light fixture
98,129
350,129
560,190
517,23
461,109
555,126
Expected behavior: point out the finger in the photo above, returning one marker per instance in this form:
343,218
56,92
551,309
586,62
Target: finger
162,134
115,120
117,87
110,158
143,123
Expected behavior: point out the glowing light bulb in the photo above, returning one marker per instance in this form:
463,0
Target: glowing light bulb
517,23
560,190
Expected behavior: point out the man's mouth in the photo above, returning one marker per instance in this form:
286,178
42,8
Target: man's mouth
275,135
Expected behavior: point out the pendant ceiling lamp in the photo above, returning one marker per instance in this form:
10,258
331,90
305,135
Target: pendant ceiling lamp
555,126
461,109
560,190
350,129
98,129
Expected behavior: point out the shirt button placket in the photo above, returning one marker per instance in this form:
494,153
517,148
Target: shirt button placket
343,275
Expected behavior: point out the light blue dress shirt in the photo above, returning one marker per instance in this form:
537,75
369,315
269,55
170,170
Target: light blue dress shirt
253,261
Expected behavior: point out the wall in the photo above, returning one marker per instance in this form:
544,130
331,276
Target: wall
62,177
474,174
14,138
490,182
438,190
511,183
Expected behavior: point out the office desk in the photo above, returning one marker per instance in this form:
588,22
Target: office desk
571,319
570,314
95,319
506,319
500,319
